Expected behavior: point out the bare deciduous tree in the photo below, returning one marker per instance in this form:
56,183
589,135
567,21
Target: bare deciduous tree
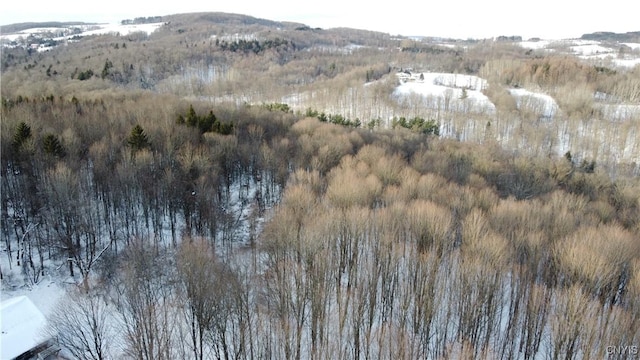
212,295
144,299
82,323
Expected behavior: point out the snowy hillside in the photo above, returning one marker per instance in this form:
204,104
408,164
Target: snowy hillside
460,106
620,54
457,91
44,38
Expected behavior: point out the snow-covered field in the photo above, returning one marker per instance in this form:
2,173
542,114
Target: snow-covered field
83,30
535,45
590,48
123,29
451,90
598,51
38,37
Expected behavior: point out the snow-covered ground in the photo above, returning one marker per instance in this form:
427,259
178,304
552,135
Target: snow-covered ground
627,62
591,49
535,45
619,112
634,46
236,37
330,49
123,29
452,90
244,216
440,96
52,31
542,104
42,38
598,51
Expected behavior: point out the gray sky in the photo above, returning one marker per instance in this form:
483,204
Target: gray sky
455,18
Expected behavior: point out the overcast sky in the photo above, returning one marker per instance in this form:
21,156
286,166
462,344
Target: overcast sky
447,18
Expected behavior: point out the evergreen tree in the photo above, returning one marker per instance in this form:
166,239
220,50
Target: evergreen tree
138,139
207,123
105,71
52,146
417,124
430,127
223,128
22,133
192,117
85,75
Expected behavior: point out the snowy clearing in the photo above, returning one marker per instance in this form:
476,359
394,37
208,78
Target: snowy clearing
591,49
447,87
123,29
534,45
543,104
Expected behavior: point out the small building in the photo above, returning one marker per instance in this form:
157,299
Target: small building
22,334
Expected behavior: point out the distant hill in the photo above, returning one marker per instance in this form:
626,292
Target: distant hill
217,18
13,28
225,19
611,36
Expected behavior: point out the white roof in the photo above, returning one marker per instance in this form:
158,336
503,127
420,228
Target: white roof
22,323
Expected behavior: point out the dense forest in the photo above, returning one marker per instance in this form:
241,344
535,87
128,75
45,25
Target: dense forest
198,215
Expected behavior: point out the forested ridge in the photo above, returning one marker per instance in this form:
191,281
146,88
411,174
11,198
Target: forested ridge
227,58
220,229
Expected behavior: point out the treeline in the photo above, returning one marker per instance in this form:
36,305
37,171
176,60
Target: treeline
11,28
254,46
205,123
333,118
353,80
295,238
428,127
142,20
632,36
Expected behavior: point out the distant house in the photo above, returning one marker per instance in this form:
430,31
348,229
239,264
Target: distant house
22,324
